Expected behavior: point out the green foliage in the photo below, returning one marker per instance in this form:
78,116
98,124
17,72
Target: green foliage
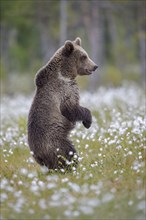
3,71
112,76
109,181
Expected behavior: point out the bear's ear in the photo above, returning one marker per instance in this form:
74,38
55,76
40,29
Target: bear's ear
68,48
78,41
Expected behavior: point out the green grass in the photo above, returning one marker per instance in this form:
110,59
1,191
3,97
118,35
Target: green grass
109,182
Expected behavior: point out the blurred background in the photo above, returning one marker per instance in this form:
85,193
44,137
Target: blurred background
113,32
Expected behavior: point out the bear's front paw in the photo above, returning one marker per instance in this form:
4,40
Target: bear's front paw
88,119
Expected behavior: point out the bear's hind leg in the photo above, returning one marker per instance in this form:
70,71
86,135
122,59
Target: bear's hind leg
47,159
62,155
39,160
67,155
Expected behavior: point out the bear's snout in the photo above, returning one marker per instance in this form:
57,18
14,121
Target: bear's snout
95,67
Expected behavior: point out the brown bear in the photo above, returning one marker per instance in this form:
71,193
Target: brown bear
55,108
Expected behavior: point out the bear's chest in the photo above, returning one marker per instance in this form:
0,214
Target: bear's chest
70,90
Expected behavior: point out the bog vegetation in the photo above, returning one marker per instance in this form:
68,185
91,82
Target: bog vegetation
109,182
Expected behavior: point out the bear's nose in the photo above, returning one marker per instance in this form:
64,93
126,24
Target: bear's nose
95,67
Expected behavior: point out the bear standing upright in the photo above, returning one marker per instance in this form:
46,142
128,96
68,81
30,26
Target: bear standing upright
55,108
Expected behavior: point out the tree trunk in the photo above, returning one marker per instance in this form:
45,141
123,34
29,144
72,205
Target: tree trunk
46,45
112,33
93,21
97,42
63,21
5,35
142,39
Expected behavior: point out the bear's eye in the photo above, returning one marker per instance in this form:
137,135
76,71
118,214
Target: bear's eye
83,57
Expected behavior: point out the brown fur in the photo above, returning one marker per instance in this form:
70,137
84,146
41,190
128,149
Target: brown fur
55,108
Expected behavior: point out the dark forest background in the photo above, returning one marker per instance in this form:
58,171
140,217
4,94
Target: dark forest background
113,32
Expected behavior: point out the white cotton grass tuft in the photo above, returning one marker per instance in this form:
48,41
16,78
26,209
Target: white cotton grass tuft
112,148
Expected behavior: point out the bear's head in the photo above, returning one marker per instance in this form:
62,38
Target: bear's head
75,60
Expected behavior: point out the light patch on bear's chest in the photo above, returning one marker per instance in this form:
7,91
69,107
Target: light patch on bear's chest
65,79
